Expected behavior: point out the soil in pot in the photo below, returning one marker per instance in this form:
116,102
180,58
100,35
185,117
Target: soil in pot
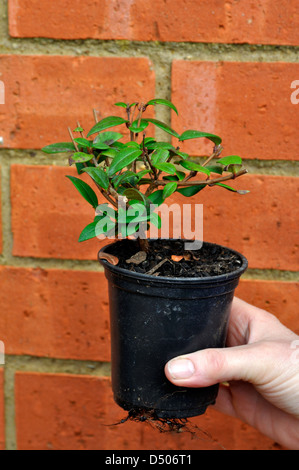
168,258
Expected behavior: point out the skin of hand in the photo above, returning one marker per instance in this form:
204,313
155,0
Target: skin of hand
261,366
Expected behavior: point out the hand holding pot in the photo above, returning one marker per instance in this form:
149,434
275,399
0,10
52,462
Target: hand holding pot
261,364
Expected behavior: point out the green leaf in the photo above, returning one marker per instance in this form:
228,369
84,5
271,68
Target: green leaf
166,167
159,156
88,232
130,219
99,226
163,126
164,102
134,194
229,188
132,144
59,148
118,145
183,155
137,126
157,198
98,175
169,189
110,121
215,169
83,142
78,129
80,157
233,168
105,226
230,160
142,173
121,104
152,145
191,134
129,215
128,177
100,146
181,175
124,158
192,166
85,190
80,167
171,178
191,190
111,153
107,138
149,140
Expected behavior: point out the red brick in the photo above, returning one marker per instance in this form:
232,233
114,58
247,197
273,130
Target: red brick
262,224
278,297
153,20
57,313
247,104
80,413
46,94
2,416
55,212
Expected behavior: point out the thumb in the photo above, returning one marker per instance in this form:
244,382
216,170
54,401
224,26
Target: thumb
210,366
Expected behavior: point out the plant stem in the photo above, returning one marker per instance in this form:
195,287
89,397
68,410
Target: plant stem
106,196
135,107
73,140
81,132
217,151
144,244
191,175
95,116
141,110
209,159
128,110
210,182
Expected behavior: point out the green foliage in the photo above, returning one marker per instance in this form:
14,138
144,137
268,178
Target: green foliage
197,134
85,190
135,173
59,148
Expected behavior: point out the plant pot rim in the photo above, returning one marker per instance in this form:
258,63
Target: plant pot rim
178,281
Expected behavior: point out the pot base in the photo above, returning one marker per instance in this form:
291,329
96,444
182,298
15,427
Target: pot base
145,413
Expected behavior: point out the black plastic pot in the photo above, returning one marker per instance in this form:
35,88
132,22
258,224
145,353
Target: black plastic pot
154,319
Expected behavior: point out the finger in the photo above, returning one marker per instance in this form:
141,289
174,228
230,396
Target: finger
250,324
250,363
237,399
242,401
239,323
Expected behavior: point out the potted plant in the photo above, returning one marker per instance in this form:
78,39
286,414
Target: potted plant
167,296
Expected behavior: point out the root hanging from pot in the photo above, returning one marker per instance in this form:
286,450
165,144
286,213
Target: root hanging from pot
162,424
168,425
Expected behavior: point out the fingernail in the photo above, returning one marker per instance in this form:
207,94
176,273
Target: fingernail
181,368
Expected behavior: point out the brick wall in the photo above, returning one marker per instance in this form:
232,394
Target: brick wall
228,66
